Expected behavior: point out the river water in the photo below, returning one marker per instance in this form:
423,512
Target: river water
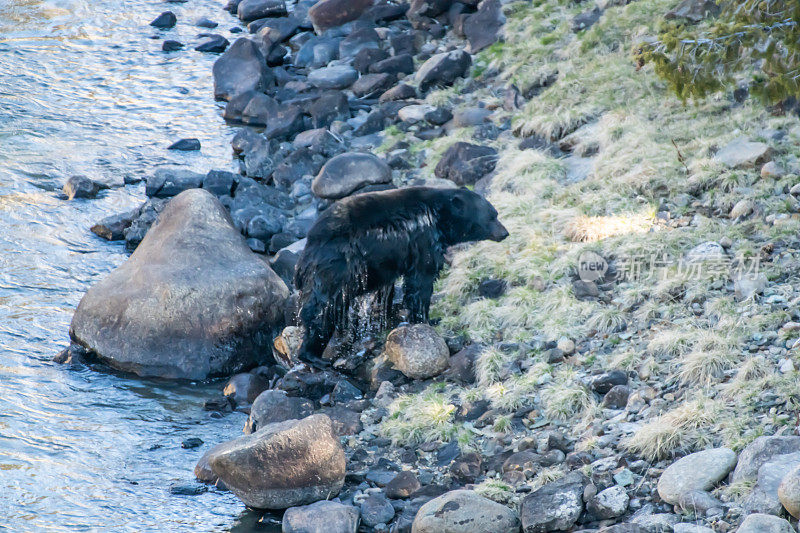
84,89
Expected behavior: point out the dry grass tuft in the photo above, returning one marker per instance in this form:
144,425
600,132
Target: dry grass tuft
682,429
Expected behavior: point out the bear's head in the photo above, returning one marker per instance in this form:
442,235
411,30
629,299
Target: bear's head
466,216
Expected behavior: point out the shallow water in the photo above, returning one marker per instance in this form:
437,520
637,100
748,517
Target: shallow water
85,90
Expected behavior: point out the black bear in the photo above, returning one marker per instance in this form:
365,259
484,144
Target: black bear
363,243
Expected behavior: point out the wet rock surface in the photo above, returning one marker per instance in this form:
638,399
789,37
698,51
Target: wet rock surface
283,464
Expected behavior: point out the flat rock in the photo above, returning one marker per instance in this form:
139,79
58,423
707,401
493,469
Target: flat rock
459,511
284,464
170,181
321,517
173,310
185,145
250,10
743,153
443,69
335,77
697,471
417,351
348,172
241,68
555,506
764,523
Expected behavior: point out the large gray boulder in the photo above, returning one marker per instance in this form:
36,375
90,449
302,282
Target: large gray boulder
348,172
192,301
464,510
284,464
241,68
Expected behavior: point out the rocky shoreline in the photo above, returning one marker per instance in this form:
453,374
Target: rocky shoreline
317,88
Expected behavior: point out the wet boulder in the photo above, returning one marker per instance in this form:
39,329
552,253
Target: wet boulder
250,10
167,182
241,68
464,510
81,187
327,14
112,228
284,464
165,20
192,301
185,145
215,44
347,172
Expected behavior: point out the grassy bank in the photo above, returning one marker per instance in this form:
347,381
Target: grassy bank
707,362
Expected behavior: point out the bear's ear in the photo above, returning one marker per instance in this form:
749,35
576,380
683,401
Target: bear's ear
458,203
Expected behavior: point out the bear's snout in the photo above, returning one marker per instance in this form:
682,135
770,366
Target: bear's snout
499,231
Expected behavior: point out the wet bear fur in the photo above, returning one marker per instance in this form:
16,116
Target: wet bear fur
364,243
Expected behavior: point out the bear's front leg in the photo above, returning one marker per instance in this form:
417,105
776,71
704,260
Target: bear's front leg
417,292
319,325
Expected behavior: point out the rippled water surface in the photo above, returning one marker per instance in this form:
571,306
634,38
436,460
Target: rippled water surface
84,89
